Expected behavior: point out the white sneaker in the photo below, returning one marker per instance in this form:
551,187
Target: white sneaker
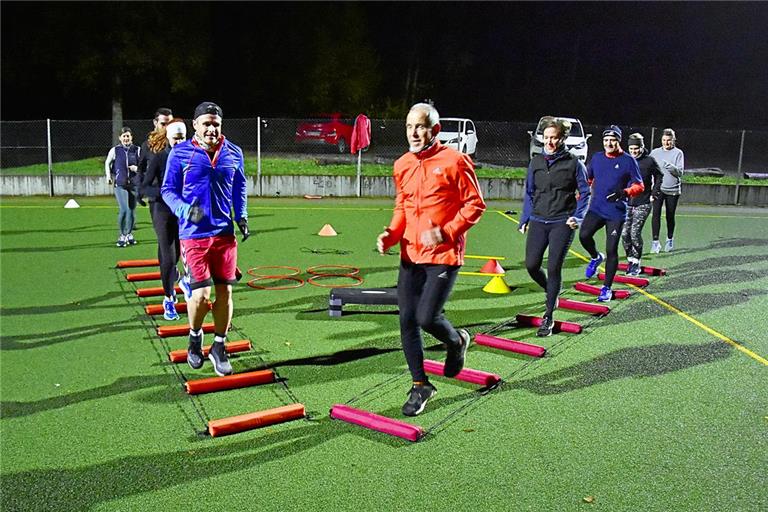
121,242
129,239
669,245
655,247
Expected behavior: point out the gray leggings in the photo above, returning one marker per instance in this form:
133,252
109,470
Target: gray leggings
126,204
632,234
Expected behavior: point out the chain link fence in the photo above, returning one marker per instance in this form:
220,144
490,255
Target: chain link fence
504,144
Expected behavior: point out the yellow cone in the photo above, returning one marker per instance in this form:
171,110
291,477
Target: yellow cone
327,230
496,285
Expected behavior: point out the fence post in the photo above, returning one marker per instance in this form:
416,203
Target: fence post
50,160
738,176
653,133
258,153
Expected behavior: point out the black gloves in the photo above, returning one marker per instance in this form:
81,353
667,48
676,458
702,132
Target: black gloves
196,213
618,195
243,225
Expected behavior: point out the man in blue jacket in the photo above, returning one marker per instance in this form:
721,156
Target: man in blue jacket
614,176
205,187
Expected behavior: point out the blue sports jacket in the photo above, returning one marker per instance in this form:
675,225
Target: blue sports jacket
608,174
216,185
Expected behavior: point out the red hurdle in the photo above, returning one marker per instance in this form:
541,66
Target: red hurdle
235,424
510,345
595,290
137,263
143,276
535,321
585,307
651,271
637,281
377,422
180,356
166,331
154,292
238,380
478,377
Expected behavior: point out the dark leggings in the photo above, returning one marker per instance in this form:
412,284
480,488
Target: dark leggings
167,229
592,223
422,291
558,237
671,203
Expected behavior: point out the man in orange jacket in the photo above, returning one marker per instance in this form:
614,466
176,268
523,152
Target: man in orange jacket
438,200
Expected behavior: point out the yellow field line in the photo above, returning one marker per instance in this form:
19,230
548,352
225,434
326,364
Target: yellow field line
686,316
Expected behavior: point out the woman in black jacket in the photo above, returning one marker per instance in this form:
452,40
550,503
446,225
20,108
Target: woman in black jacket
639,207
163,219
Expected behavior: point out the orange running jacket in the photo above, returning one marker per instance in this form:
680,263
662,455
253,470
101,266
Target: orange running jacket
435,188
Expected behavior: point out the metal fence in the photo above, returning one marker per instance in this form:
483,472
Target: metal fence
499,143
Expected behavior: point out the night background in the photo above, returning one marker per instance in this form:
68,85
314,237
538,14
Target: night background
690,64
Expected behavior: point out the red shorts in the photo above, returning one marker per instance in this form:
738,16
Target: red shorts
210,260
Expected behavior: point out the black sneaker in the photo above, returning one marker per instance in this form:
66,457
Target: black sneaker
454,360
547,324
419,395
195,352
218,356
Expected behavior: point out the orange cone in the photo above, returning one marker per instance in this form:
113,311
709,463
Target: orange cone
492,267
327,231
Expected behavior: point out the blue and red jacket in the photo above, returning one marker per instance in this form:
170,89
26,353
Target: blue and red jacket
215,184
609,174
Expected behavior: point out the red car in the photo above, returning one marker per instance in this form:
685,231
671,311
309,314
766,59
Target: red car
326,129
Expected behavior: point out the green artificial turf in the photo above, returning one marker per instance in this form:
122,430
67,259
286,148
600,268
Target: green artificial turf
645,410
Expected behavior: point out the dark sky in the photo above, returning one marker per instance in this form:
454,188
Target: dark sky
688,64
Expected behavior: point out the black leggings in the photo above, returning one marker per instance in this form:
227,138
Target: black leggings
633,230
558,237
671,204
592,223
422,291
167,229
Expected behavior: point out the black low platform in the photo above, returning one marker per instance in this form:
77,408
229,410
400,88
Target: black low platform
378,296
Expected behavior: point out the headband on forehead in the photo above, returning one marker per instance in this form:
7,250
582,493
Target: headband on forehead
176,128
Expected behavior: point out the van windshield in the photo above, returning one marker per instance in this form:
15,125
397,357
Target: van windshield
449,126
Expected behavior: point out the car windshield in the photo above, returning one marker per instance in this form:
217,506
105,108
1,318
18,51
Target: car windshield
449,126
576,129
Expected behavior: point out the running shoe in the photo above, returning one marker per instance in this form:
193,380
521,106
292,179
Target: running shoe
454,360
169,310
418,397
605,294
218,356
655,247
669,245
545,329
186,287
195,352
121,241
129,239
593,264
634,269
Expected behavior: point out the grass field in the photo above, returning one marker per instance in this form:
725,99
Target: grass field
660,406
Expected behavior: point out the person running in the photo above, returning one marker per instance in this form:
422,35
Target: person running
437,200
166,225
163,116
205,187
639,207
120,167
672,162
556,198
614,176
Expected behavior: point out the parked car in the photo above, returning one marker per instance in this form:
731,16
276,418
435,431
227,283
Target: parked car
326,130
458,133
576,142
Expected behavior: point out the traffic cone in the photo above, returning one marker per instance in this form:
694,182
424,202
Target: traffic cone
71,204
492,267
496,285
327,230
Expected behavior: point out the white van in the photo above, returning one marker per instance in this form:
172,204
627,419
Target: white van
576,142
458,133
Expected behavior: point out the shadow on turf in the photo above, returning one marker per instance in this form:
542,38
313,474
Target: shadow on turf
41,309
69,247
46,339
634,362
